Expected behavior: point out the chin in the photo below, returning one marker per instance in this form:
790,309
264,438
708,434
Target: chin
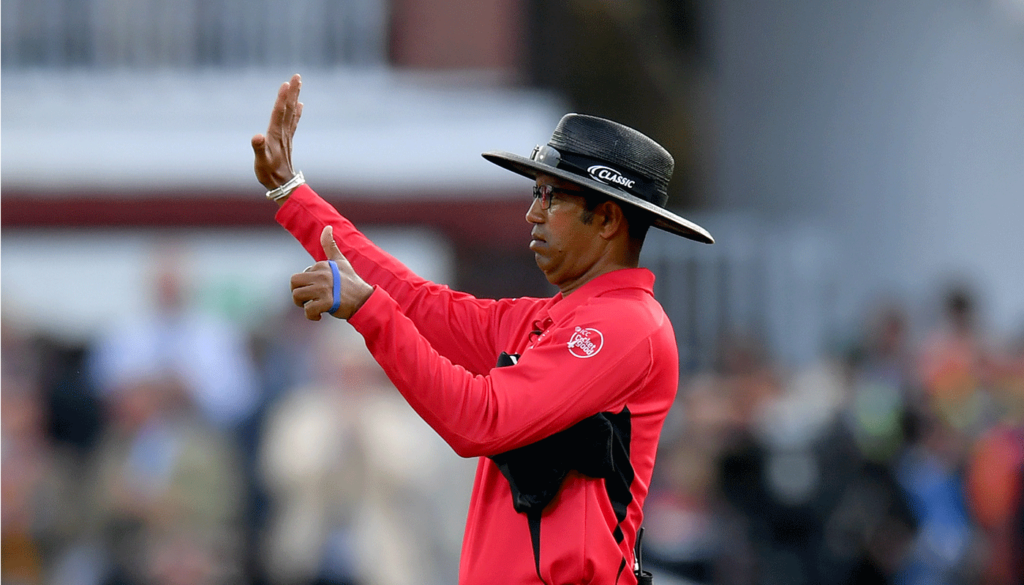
550,277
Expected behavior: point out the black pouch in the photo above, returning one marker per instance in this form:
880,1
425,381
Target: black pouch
597,446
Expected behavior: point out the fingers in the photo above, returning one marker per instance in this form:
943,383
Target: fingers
311,311
305,283
295,118
278,116
287,108
313,290
311,299
273,149
277,112
289,95
294,86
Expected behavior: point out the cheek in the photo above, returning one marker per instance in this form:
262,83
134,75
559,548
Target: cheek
561,236
575,235
572,248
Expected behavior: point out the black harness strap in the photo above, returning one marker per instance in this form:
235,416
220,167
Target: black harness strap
642,577
533,519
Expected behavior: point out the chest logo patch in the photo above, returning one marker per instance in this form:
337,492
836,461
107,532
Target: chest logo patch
585,343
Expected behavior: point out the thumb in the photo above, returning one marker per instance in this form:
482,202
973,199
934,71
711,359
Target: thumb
259,144
329,245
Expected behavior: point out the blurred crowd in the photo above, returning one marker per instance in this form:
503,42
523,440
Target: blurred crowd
178,448
898,459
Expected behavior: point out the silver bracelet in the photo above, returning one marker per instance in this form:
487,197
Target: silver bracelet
286,189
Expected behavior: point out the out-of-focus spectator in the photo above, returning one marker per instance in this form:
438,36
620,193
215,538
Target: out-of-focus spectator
872,525
309,466
25,466
42,486
685,531
955,369
995,479
697,511
362,490
995,484
169,471
282,349
955,366
207,355
167,491
929,471
882,385
763,481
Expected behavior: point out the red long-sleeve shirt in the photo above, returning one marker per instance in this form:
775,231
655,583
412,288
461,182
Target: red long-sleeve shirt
605,347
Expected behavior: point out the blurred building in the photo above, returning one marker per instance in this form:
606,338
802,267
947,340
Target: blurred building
838,152
133,117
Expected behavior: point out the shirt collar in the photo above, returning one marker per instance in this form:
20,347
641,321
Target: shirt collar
641,278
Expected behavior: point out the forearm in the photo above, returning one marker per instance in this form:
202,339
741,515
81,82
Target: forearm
488,414
458,325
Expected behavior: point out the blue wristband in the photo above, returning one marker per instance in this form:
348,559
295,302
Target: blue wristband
337,286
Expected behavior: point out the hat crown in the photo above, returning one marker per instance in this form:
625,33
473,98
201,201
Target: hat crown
619,146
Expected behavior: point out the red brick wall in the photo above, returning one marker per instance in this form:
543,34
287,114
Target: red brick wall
457,34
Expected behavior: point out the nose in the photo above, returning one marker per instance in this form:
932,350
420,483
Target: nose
535,214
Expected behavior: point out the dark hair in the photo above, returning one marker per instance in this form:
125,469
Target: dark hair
639,221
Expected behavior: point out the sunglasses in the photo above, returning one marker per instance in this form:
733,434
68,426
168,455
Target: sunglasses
547,155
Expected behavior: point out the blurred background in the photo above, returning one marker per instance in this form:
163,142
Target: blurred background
852,347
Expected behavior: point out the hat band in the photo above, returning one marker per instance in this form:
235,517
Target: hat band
600,171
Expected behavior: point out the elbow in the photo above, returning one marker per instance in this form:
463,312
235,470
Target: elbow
466,449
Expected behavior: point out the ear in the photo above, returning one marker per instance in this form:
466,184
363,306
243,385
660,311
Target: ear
611,219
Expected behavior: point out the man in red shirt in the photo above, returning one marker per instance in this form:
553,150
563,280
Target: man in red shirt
562,399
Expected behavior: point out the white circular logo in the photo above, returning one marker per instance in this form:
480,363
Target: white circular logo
585,343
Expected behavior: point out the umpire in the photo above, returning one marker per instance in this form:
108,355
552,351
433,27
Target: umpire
561,399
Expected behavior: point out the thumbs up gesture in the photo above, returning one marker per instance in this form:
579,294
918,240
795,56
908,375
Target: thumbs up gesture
331,287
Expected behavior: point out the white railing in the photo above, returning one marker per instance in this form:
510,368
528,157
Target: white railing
186,34
774,281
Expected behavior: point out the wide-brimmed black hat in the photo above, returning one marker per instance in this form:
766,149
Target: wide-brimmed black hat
609,158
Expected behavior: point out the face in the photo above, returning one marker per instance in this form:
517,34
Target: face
566,249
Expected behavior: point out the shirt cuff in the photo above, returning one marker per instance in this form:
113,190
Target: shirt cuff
301,193
365,317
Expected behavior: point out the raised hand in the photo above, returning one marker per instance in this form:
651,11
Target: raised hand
273,150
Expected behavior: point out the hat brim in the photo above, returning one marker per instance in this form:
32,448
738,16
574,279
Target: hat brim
661,218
